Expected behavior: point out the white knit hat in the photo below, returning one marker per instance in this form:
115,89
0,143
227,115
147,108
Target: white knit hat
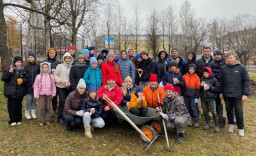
81,84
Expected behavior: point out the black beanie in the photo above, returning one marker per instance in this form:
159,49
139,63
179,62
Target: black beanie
17,58
100,56
192,66
173,63
217,52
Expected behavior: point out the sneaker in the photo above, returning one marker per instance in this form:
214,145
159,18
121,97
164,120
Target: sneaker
231,128
217,129
41,124
47,123
13,124
55,115
190,124
196,124
61,121
33,112
19,123
27,115
207,126
241,132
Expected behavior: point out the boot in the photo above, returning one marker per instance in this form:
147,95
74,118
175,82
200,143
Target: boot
207,126
180,139
217,126
87,132
33,112
27,115
68,127
196,124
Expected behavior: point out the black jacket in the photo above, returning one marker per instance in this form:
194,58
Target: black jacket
234,81
202,63
127,98
212,93
148,67
30,75
11,88
76,73
216,66
54,62
161,66
185,67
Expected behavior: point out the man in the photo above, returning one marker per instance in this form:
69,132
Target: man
133,58
175,56
206,60
216,65
92,51
71,51
234,88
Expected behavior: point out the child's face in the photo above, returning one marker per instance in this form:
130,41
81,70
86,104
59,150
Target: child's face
100,61
140,94
168,93
81,60
92,51
18,64
116,54
206,75
111,58
92,95
31,59
190,57
94,65
124,55
81,90
86,55
173,68
163,55
52,55
191,70
67,59
128,84
45,68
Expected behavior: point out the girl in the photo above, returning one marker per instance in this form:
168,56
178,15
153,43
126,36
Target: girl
127,90
190,60
32,70
161,65
61,76
86,56
116,52
126,66
138,104
14,89
93,75
93,111
44,91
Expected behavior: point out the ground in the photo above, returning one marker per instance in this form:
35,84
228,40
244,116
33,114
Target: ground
30,139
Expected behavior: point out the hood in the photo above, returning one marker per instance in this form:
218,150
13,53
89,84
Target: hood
127,57
67,54
194,56
209,70
159,54
176,71
49,65
91,68
104,50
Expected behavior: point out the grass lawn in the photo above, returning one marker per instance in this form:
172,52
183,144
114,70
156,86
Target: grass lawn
252,75
30,139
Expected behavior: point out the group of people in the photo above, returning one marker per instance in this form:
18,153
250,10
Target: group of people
84,82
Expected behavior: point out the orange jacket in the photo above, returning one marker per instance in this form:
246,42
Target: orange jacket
134,103
191,81
151,96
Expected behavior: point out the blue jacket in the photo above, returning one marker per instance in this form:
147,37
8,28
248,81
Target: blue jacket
87,105
169,75
93,77
127,68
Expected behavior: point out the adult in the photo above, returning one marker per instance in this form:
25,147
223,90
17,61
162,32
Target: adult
205,60
153,93
52,58
175,56
71,51
77,71
133,58
110,67
190,60
32,69
216,65
116,52
126,66
234,88
114,93
127,90
100,60
92,51
72,110
146,67
161,65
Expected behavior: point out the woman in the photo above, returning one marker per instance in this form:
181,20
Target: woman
161,65
127,90
126,66
191,60
110,67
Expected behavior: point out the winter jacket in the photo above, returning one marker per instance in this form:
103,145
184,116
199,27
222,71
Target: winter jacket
87,105
93,77
148,67
212,82
161,66
115,94
134,103
191,85
44,85
74,102
185,67
74,59
216,66
127,68
76,73
30,75
151,96
108,68
180,64
134,61
54,62
170,75
174,107
127,97
11,88
62,72
234,81
202,63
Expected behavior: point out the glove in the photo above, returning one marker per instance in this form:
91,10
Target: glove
157,109
196,100
80,113
163,115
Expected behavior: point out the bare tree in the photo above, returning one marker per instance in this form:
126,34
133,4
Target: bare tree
136,26
171,26
163,23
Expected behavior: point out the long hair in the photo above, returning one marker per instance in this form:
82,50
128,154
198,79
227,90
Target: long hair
41,81
116,68
27,65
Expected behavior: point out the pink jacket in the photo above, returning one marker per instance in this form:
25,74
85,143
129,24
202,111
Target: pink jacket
47,88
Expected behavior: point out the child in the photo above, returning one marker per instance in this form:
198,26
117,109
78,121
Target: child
44,91
209,92
138,104
191,93
92,51
127,89
191,59
32,69
14,89
86,56
61,76
93,75
100,60
116,52
93,112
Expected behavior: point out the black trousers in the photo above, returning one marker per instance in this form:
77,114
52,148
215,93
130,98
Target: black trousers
69,118
14,107
219,106
237,104
63,93
192,107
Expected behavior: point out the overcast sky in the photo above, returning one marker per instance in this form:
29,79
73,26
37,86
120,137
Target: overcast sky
208,9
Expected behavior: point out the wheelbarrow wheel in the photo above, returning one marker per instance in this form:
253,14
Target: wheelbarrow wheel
158,127
148,131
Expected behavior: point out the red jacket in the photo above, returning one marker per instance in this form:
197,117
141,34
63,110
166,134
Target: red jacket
108,68
116,95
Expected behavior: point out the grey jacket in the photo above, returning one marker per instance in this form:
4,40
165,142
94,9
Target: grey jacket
127,68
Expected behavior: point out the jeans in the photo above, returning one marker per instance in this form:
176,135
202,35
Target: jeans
63,93
192,107
14,107
237,104
97,122
30,102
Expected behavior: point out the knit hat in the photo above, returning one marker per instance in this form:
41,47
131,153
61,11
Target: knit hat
168,87
143,53
192,65
138,89
100,56
173,63
111,53
208,70
217,52
85,51
104,51
138,56
32,54
153,78
91,48
111,77
92,88
128,78
93,60
80,55
51,50
71,47
81,84
17,58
